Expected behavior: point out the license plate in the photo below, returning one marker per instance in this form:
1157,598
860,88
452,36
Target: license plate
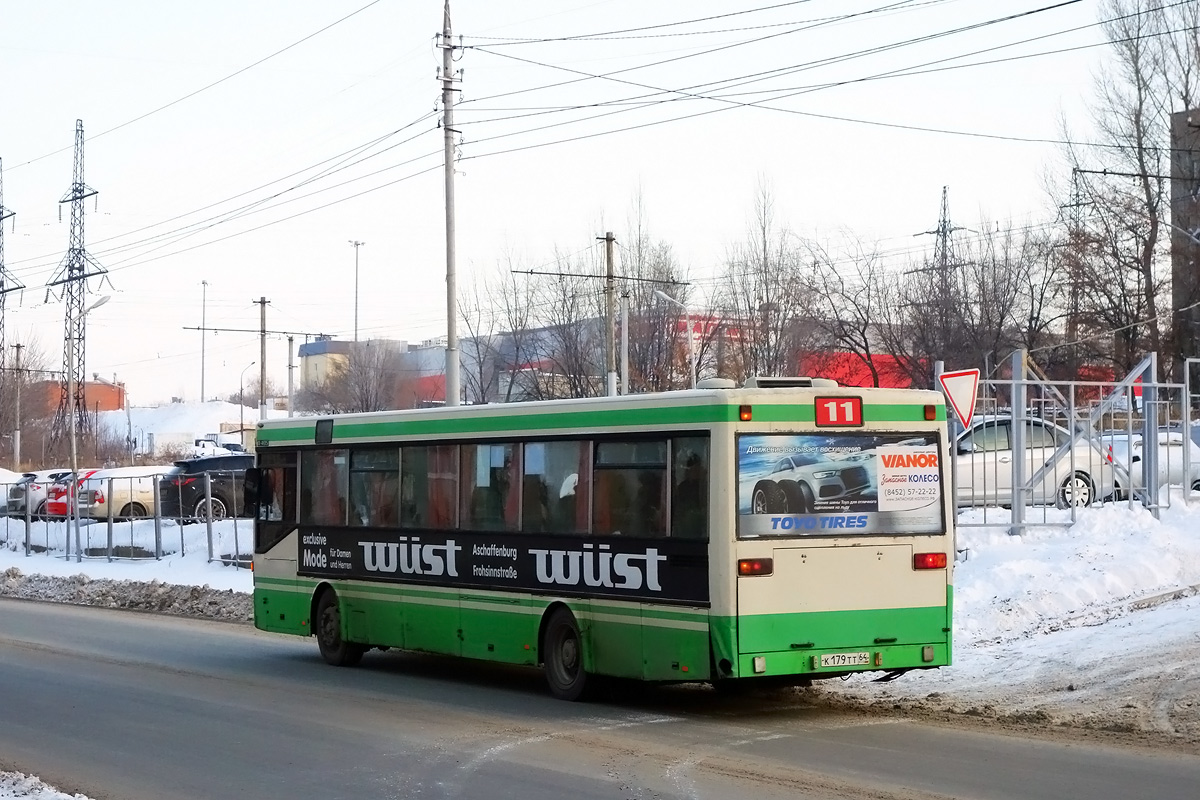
845,659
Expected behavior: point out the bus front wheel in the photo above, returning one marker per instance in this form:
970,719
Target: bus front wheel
563,661
334,649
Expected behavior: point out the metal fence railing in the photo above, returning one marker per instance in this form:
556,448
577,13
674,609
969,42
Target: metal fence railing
148,515
1038,447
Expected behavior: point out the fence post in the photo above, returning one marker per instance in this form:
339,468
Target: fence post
157,519
1150,435
1185,424
237,550
110,518
28,519
208,512
1019,400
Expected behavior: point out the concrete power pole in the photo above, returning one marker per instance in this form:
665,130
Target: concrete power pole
203,331
291,401
610,290
17,426
262,358
356,244
448,90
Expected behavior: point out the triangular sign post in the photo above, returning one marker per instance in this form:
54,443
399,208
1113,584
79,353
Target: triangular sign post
960,388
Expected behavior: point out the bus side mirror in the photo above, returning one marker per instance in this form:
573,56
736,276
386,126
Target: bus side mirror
250,485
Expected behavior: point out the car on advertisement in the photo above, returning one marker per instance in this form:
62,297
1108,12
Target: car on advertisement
1076,469
796,482
36,487
824,474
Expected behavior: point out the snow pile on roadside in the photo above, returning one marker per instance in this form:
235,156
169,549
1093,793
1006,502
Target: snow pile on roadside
18,784
188,601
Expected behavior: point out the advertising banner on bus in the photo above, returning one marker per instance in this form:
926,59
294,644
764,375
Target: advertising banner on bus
814,484
651,569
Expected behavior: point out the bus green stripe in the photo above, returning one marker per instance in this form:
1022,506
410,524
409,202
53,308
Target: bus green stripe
653,416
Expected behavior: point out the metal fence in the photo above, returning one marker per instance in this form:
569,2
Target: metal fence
130,517
1038,450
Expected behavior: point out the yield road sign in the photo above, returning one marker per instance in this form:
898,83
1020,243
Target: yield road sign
960,388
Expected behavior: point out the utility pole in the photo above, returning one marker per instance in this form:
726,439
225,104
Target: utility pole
448,90
262,358
291,402
203,332
356,244
625,342
17,427
610,290
8,282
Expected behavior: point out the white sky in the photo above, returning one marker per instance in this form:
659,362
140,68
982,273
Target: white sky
373,74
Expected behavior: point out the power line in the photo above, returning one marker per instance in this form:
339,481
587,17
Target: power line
511,40
217,82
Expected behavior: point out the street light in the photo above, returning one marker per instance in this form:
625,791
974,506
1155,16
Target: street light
242,405
691,332
356,244
73,496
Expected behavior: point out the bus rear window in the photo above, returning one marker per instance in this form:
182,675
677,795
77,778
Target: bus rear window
808,484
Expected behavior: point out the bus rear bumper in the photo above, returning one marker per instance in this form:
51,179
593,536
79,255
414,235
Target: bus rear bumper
833,663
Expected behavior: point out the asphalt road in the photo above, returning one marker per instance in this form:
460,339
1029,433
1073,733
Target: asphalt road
128,706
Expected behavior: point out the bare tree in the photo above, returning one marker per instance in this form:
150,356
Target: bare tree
481,346
763,297
365,381
1121,246
848,301
658,330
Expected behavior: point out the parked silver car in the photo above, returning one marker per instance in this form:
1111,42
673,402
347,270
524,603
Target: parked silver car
1079,475
35,486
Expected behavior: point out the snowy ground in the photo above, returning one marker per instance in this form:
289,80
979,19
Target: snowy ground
1094,626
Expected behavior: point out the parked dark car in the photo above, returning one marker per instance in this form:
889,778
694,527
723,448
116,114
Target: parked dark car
181,493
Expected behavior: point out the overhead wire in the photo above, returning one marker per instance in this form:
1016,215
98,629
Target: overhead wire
205,88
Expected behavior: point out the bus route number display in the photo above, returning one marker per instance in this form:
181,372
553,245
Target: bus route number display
839,412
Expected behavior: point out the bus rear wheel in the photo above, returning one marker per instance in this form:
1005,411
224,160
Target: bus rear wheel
563,660
334,649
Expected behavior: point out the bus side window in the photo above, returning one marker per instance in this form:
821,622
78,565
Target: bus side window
689,495
429,486
630,488
324,487
554,498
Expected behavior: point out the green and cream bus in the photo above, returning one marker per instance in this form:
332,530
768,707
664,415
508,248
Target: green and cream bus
781,531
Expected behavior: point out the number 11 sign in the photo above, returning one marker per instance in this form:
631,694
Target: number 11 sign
839,411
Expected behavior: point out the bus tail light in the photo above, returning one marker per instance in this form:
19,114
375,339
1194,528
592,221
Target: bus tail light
756,566
745,414
929,561
930,412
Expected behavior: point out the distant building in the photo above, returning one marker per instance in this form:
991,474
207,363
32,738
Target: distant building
1185,230
44,397
321,358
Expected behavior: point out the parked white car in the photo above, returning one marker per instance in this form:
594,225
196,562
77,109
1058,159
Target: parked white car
1080,476
1127,450
130,494
35,485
